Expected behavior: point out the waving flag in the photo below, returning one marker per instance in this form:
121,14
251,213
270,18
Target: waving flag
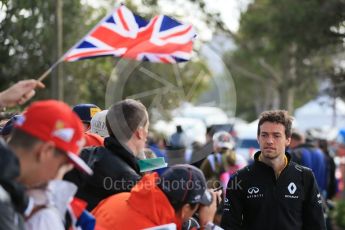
124,34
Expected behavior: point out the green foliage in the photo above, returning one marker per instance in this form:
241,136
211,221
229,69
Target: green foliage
280,23
159,86
281,53
28,48
340,214
27,42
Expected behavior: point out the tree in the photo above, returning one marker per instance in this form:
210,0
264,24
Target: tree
27,38
27,42
278,46
160,87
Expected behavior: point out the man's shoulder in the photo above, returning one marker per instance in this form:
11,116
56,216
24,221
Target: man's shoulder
88,151
98,153
300,168
245,171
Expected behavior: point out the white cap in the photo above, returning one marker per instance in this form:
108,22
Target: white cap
223,139
98,125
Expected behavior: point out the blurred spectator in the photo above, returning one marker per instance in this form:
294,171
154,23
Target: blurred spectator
13,202
115,165
7,129
200,152
157,144
178,139
309,155
172,198
85,113
45,146
331,180
93,140
218,166
149,154
332,186
213,165
296,139
197,156
98,125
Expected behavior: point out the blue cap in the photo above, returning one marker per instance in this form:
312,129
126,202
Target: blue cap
86,111
6,130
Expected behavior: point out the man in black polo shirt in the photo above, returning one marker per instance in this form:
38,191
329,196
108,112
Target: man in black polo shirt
274,192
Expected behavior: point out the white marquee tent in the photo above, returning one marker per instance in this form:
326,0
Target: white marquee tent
323,113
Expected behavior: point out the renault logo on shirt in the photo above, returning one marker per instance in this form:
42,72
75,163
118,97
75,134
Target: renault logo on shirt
253,192
292,189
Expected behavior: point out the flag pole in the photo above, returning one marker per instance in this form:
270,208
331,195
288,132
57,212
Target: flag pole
48,71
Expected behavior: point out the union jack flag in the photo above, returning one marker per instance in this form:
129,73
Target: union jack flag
124,34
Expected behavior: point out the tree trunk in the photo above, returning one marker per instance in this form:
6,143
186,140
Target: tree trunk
287,96
287,93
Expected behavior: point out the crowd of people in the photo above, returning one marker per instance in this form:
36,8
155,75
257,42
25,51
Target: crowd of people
77,167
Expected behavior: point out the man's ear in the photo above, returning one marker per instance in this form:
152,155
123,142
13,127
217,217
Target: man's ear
187,211
140,133
288,141
44,151
184,211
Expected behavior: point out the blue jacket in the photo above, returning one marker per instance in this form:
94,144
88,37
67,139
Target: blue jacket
312,157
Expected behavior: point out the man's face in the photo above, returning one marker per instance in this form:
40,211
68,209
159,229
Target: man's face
86,126
272,140
53,165
46,166
143,137
187,212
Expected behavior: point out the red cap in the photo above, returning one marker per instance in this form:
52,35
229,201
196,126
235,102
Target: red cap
52,120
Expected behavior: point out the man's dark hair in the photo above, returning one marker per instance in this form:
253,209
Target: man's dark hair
279,117
21,139
124,117
179,129
296,136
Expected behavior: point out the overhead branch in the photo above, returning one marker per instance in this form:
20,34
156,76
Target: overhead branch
246,73
273,73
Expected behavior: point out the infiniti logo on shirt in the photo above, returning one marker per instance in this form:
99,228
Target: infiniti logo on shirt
252,190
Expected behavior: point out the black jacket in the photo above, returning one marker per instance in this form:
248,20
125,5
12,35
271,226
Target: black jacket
115,170
13,200
290,202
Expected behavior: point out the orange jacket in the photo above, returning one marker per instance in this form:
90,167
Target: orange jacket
145,206
92,139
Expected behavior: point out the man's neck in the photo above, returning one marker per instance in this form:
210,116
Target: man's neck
131,147
277,164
